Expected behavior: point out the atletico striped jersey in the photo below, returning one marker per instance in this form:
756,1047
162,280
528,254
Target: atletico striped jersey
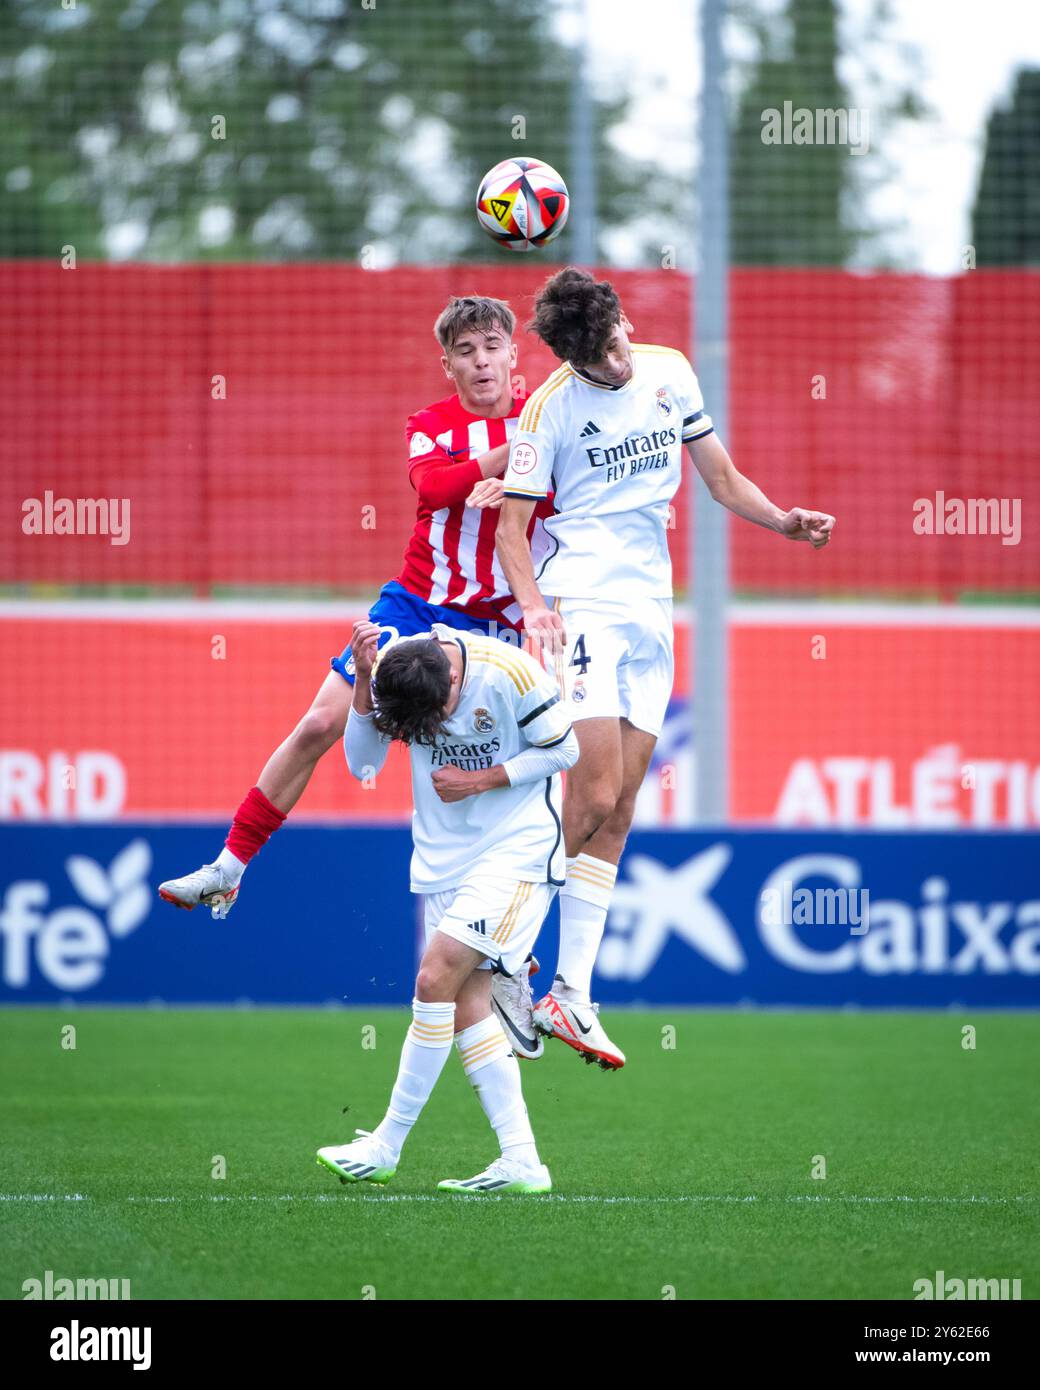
450,558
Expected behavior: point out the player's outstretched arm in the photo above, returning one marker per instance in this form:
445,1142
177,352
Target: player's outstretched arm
740,495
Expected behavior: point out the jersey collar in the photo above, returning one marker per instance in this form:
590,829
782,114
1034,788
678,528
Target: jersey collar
599,385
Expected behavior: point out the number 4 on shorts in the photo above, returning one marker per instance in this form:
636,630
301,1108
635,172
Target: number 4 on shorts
581,658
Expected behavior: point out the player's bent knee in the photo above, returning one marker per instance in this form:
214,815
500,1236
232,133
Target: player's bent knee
318,730
433,984
596,806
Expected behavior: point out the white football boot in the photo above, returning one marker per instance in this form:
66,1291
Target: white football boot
504,1177
579,1027
209,886
367,1159
513,1003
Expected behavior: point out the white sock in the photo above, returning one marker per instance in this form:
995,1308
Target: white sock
495,1075
584,900
233,867
423,1055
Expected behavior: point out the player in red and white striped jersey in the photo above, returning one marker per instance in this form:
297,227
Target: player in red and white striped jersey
451,558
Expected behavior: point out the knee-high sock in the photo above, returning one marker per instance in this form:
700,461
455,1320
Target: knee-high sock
584,900
423,1055
495,1075
255,822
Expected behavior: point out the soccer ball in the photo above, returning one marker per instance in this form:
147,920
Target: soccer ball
522,203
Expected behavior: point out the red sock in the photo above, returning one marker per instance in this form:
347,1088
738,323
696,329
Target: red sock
255,822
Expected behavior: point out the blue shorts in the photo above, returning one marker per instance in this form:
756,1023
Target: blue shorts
403,614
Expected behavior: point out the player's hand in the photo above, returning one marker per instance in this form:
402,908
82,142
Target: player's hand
364,643
487,493
802,525
455,784
545,630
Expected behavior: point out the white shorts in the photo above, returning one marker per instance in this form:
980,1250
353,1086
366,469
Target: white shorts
619,662
500,917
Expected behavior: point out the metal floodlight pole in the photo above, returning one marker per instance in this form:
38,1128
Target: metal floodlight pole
709,528
581,177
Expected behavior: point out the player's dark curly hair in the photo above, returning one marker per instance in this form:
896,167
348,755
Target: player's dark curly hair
411,688
574,315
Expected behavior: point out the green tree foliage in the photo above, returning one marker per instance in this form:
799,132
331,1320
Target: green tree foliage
810,204
1006,215
787,199
278,129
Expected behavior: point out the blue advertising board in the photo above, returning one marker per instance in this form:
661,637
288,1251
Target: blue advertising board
722,917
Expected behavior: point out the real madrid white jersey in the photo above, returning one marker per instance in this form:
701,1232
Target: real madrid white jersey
613,458
507,704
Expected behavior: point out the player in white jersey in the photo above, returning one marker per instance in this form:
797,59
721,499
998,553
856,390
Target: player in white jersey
605,433
489,736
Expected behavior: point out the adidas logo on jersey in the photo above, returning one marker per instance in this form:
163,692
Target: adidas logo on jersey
589,430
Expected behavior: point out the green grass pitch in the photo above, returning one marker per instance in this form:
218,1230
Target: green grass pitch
688,1171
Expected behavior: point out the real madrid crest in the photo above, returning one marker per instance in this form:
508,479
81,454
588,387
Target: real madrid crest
664,405
483,721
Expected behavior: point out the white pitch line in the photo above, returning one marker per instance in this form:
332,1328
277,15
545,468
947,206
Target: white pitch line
692,1198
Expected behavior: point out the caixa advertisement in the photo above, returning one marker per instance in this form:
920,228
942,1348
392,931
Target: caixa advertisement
730,917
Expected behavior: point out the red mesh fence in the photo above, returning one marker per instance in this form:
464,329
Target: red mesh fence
251,414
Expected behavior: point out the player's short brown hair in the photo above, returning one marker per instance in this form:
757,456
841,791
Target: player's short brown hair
411,687
466,312
574,315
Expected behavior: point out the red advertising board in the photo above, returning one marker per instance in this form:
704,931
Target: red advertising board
838,716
